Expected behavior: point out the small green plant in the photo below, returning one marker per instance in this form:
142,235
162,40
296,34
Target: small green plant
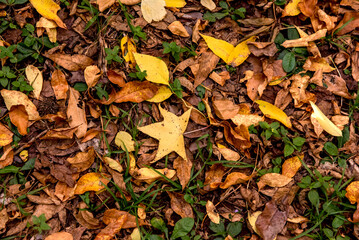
277,164
112,55
173,49
5,75
201,93
7,52
39,223
21,84
138,74
227,11
221,232
177,87
280,2
181,229
101,91
13,2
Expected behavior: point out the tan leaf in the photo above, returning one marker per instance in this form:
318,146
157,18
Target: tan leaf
7,157
225,108
136,91
83,160
111,215
60,133
307,7
351,16
153,10
19,118
86,218
90,134
141,211
183,169
149,175
34,76
338,86
340,121
92,75
76,114
63,191
208,4
59,84
4,218
247,119
91,182
60,235
211,212
180,206
235,178
227,153
74,62
12,97
317,63
273,180
213,177
304,41
177,28
112,163
124,141
104,4
291,166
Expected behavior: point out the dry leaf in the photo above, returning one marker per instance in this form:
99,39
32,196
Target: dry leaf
128,48
175,3
60,133
183,169
136,234
291,166
307,7
111,229
153,10
5,136
338,86
59,84
8,155
12,97
252,219
49,26
162,94
141,211
34,76
208,4
291,9
60,235
225,108
235,178
213,177
74,62
91,182
116,78
19,118
352,192
180,206
149,175
111,215
211,212
317,63
247,119
124,141
83,160
271,111
48,9
115,165
324,122
273,180
4,218
155,68
227,153
304,41
135,91
177,28
76,114
340,121
169,132
353,17
92,75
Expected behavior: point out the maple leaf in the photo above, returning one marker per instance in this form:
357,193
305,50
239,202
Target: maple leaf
169,132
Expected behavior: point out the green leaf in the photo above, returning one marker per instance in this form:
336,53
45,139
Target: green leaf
182,228
338,221
279,39
331,149
155,237
9,169
234,228
288,150
298,141
288,63
293,34
328,233
81,87
30,164
158,223
217,228
313,197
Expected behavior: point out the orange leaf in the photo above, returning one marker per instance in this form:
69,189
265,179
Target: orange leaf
235,178
48,9
291,166
19,118
273,180
91,182
76,114
5,136
110,230
83,160
136,91
60,235
59,84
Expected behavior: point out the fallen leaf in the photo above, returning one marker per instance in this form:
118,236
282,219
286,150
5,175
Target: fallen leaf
19,118
34,76
112,163
48,9
175,3
73,63
76,113
136,234
124,141
291,9
135,91
91,182
340,121
4,218
252,219
263,48
317,63
149,175
183,169
207,62
291,166
273,180
86,218
298,90
169,132
213,177
180,206
7,157
63,191
227,153
155,68
235,178
141,211
304,41
59,84
247,119
324,122
307,7
338,86
104,4
211,212
271,111
153,10
92,75
266,227
177,28
111,215
49,26
128,48
12,97
208,4
91,134
351,16
60,235
60,133
234,56
225,108
116,78
162,94
83,160
111,229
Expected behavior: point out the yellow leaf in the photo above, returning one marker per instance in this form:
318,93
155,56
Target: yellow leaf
208,4
136,235
252,218
291,9
5,136
324,122
231,55
291,166
271,111
112,163
91,182
352,192
128,48
12,97
273,180
153,10
169,132
162,94
34,76
48,9
155,68
211,212
24,155
149,175
175,3
124,141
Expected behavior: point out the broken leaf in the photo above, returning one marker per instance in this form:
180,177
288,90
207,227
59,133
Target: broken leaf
91,182
304,41
124,141
271,111
153,10
183,169
48,9
34,76
155,68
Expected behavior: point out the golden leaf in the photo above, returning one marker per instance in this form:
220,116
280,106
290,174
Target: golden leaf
273,180
83,160
5,136
291,166
149,175
92,75
91,182
291,9
48,9
155,68
271,111
162,94
175,3
124,141
211,212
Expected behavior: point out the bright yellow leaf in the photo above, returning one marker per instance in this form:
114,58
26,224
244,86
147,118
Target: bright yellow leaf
149,175
175,3
91,182
241,52
128,48
291,166
324,122
155,68
124,141
48,9
271,111
162,94
291,9
153,10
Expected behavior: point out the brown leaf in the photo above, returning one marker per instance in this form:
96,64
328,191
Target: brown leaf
298,90
183,169
60,133
271,221
4,218
228,153
86,218
207,62
256,85
111,229
262,48
338,86
60,235
64,192
274,71
19,118
111,215
225,108
348,26
83,160
116,78
180,206
177,28
76,113
136,91
247,119
237,136
92,75
307,7
90,134
235,178
7,157
273,180
213,177
73,63
5,136
59,84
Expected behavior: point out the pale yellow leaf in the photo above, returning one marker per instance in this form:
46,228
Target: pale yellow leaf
112,163
153,10
155,68
211,212
48,9
34,76
135,235
162,94
91,182
149,175
208,4
252,218
291,9
324,122
124,141
175,3
271,111
5,136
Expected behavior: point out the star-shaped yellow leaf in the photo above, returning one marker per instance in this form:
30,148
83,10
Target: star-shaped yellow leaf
169,132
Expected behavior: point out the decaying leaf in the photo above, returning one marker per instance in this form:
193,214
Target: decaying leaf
169,133
83,160
49,26
34,76
74,62
291,166
271,111
183,169
252,219
211,212
247,119
225,108
213,177
153,10
48,9
5,136
76,113
324,122
180,206
124,141
273,180
91,182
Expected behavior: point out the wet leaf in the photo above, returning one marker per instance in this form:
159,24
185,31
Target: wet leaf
273,180
211,212
271,111
291,166
153,10
34,76
91,182
155,68
74,62
124,141
19,118
48,9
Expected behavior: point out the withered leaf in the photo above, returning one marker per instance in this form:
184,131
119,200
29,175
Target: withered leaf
74,62
83,160
183,169
111,215
111,229
180,206
76,113
59,84
136,91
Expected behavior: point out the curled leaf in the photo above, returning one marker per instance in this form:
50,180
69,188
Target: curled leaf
211,212
48,9
34,76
